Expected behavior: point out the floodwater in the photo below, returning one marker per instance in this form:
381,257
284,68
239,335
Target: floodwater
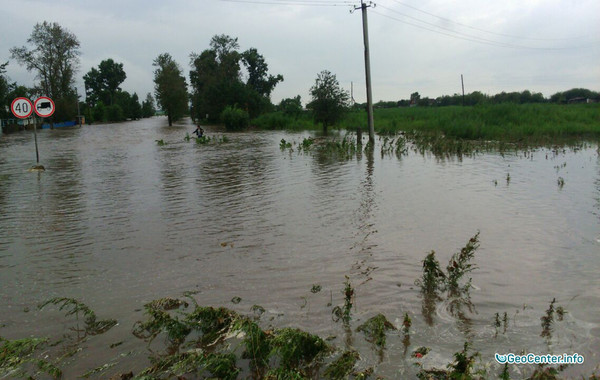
117,221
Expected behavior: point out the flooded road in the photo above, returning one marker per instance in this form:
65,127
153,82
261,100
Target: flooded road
117,221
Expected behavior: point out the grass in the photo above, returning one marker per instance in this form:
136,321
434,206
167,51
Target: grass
517,123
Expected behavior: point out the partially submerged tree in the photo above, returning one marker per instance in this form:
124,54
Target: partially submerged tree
103,83
217,80
329,101
170,87
54,57
148,109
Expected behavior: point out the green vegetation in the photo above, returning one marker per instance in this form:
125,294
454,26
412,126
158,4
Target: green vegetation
74,307
466,128
53,57
170,87
342,366
329,101
345,313
105,101
502,122
234,118
375,329
216,80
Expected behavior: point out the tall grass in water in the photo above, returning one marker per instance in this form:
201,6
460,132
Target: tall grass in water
537,123
504,122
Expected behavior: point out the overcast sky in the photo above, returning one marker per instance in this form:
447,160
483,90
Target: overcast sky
510,45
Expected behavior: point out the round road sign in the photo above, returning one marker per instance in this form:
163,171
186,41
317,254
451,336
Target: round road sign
43,106
21,108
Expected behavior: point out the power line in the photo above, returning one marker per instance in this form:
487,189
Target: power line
479,29
464,36
312,3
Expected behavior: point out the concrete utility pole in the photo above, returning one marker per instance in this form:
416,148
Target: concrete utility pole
462,82
363,7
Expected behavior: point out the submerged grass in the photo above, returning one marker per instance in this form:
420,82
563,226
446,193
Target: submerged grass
499,122
375,329
535,123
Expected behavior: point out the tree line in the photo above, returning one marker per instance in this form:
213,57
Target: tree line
226,85
476,98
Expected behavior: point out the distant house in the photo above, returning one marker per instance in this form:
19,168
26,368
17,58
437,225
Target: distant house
581,100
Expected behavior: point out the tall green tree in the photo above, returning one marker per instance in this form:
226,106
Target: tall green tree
216,80
291,106
329,101
103,83
170,87
54,57
148,109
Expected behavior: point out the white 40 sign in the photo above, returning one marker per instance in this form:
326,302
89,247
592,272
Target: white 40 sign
21,108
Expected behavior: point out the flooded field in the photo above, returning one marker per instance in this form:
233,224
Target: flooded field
116,221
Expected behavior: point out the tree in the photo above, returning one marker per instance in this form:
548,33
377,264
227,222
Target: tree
258,78
4,91
170,87
291,107
216,80
135,108
103,83
148,109
329,100
55,59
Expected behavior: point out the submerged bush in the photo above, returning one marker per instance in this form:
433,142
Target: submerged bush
234,118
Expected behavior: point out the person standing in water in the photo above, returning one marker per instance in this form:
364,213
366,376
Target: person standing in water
199,131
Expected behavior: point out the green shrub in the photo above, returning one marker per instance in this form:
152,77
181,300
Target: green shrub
234,118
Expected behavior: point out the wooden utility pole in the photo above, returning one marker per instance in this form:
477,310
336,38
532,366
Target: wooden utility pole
363,7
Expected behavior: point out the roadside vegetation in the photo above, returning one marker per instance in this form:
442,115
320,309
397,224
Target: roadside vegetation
514,123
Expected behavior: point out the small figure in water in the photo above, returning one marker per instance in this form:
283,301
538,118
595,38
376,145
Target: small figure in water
199,131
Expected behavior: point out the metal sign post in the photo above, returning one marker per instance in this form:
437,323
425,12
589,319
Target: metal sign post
23,108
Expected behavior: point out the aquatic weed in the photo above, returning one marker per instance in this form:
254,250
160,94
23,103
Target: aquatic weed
433,278
160,321
283,145
222,366
307,143
92,326
345,314
296,348
459,265
212,322
202,140
548,318
160,142
257,343
342,366
375,328
17,356
406,323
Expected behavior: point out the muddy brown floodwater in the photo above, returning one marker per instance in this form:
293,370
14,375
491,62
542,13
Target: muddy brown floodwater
117,221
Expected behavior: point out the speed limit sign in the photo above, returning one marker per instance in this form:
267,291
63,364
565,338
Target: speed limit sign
21,108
